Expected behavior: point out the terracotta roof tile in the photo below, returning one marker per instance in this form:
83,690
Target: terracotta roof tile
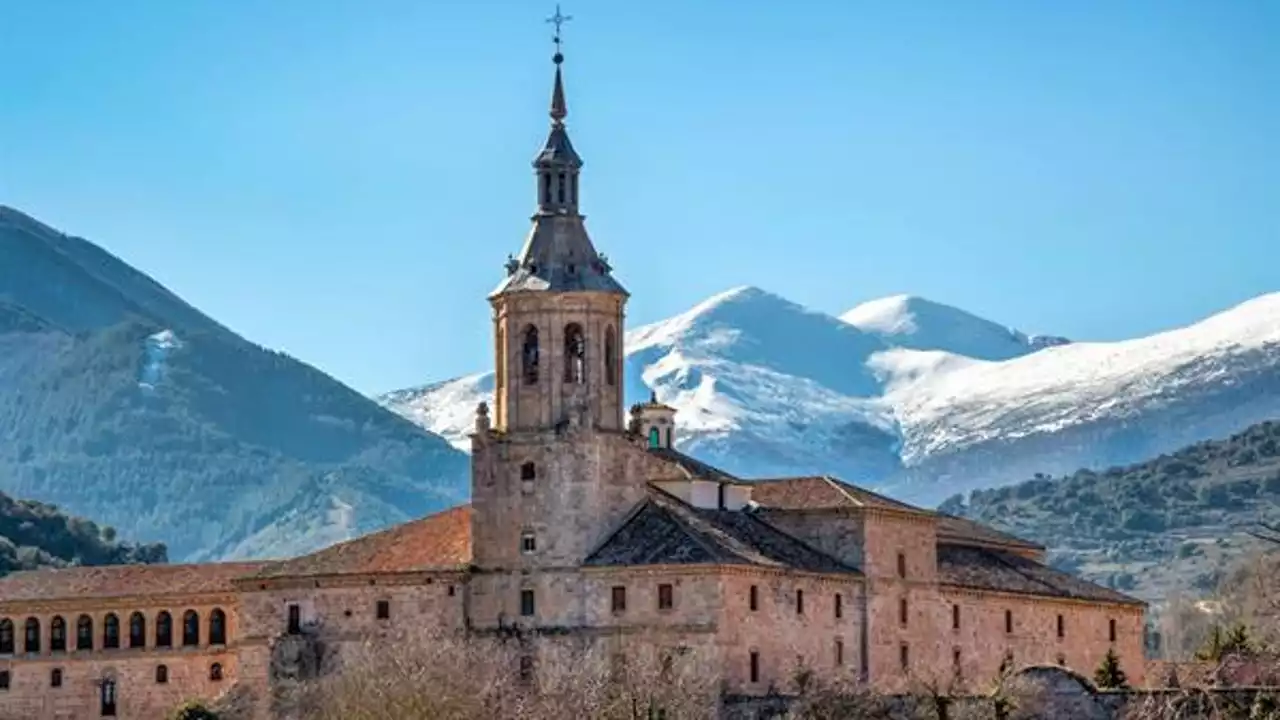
122,580
986,569
435,542
819,492
665,530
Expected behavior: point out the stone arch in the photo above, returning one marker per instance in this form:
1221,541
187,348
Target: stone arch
137,630
84,633
111,631
190,628
1053,691
57,634
164,629
529,355
610,356
575,354
217,627
31,636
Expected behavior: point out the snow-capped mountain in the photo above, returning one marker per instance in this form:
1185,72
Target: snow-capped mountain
918,398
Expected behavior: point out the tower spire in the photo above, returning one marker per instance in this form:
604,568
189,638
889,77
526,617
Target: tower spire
559,111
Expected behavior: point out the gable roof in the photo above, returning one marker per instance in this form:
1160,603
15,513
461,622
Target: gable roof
664,530
108,581
825,492
436,542
987,569
692,467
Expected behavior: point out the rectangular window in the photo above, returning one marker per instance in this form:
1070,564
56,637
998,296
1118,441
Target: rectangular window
1008,621
618,599
955,657
902,565
294,626
839,606
526,603
4,678
384,609
955,617
755,668
1111,630
55,678
528,543
526,668
799,602
839,653
666,596
1062,627
904,656
753,597
903,612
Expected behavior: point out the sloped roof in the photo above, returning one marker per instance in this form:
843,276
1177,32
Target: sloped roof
986,569
667,531
122,581
436,542
692,467
824,492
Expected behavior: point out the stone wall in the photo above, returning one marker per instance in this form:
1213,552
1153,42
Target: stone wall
188,671
784,639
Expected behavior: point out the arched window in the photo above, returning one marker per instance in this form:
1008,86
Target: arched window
162,674
84,633
655,439
111,632
217,627
6,636
58,634
190,628
107,698
31,636
610,356
671,444
164,629
575,355
215,672
137,630
529,356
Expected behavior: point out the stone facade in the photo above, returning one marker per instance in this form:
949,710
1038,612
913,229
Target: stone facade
590,529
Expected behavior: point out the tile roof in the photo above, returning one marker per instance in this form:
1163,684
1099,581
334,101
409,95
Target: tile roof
964,530
692,467
122,580
821,492
665,530
436,542
986,569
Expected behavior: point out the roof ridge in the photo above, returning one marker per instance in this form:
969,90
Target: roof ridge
839,486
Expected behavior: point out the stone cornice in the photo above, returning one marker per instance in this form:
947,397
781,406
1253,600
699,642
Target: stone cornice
1137,606
321,581
90,605
736,570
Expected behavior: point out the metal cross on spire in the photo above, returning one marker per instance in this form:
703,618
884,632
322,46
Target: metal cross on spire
558,20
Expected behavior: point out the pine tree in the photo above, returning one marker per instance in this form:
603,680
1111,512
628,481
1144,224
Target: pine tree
1109,675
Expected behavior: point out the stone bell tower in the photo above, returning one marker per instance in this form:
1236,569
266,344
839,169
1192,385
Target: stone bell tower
557,316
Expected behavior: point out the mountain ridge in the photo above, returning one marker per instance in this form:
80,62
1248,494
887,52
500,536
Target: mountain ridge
764,386
122,402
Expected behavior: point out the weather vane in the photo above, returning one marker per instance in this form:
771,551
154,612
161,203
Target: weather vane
558,20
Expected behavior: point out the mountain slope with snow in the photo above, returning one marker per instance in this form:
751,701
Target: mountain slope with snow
921,399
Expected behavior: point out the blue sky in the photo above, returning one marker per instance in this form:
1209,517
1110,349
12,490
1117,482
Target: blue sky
342,180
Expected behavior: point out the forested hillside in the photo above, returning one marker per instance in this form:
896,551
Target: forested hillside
121,402
1177,520
34,535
